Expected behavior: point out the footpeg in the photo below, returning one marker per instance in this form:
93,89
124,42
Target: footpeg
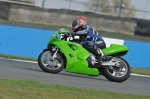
106,58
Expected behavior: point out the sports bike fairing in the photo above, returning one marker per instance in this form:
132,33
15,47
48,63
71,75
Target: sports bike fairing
75,55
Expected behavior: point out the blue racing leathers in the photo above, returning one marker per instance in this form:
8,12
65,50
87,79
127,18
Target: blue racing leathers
93,39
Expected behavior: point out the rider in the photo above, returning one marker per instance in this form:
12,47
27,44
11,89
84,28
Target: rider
94,42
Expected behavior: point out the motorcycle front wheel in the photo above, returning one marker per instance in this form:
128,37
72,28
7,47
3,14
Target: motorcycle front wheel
118,73
49,65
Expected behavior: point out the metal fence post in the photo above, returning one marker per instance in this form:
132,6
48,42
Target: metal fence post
43,3
120,10
70,4
145,8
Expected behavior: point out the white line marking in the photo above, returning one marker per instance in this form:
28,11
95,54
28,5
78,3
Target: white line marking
140,75
23,61
37,62
20,60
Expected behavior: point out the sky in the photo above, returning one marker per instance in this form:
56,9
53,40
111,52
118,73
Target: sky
65,4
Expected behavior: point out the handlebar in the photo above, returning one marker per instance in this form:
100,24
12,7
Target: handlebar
69,34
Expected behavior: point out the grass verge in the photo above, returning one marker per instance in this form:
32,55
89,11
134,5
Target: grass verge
133,70
17,57
140,71
19,89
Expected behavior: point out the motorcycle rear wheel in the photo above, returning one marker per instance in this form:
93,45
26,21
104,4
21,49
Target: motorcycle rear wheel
119,73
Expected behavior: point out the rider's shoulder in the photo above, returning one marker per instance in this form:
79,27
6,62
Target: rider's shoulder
90,28
87,25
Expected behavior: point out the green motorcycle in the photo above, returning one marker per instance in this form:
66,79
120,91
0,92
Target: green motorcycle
63,53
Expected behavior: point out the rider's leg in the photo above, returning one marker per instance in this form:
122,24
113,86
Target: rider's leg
93,48
89,46
100,45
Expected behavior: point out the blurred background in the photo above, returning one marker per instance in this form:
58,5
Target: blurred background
119,16
122,8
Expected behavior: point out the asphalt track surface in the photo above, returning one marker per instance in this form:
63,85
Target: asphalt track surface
30,71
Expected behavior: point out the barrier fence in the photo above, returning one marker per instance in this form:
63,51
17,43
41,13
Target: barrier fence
28,42
122,8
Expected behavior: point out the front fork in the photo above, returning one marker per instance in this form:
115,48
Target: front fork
55,53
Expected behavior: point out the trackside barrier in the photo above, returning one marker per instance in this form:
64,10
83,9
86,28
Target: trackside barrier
28,42
139,54
24,42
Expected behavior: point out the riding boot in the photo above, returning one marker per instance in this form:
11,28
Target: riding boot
90,62
101,56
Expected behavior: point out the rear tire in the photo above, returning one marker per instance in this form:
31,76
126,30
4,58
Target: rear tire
112,75
59,61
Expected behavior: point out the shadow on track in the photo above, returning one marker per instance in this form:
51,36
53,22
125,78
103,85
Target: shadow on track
66,74
81,76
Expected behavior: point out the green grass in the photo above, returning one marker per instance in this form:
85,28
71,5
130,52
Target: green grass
17,57
140,71
19,89
133,70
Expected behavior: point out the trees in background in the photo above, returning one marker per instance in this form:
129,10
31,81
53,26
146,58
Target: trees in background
112,7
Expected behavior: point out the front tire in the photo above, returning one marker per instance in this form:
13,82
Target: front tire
119,73
48,65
